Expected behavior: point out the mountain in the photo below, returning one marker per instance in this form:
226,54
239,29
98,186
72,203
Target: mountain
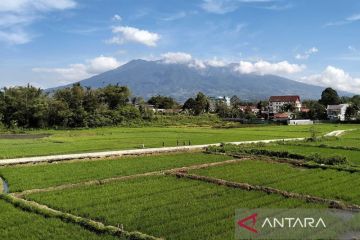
181,81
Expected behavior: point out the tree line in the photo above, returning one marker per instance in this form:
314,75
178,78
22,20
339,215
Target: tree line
30,107
77,106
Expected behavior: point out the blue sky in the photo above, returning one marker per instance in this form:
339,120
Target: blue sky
52,42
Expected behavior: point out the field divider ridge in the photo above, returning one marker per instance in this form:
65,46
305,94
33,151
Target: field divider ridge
249,187
92,225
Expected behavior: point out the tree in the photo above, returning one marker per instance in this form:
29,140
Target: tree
329,97
189,105
235,101
352,112
24,107
317,111
162,102
115,96
198,105
202,104
222,109
288,107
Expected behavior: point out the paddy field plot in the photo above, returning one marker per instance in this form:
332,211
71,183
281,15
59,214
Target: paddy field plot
165,206
117,138
16,224
331,184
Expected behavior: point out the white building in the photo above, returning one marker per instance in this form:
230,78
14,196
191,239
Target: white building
300,122
277,102
336,112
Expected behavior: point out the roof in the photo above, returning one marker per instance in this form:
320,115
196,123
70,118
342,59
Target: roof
281,115
336,107
284,98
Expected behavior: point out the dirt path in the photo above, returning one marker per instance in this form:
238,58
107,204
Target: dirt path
337,133
67,157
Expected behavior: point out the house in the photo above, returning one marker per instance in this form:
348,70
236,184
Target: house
300,122
215,100
336,112
249,108
276,103
281,116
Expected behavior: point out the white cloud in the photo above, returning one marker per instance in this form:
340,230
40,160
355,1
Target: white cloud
15,37
101,64
215,63
336,78
124,34
16,15
347,20
198,64
80,71
185,58
175,16
263,67
307,53
35,5
116,17
176,57
219,6
355,17
226,6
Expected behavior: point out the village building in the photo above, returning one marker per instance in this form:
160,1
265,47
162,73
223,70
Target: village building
277,103
336,112
250,108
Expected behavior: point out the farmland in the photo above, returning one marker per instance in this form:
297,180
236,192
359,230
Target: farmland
16,224
46,175
190,195
164,206
101,139
323,183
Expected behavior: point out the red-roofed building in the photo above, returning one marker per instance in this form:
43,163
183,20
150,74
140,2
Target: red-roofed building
276,103
281,116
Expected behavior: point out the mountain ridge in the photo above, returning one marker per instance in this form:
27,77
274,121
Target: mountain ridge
181,81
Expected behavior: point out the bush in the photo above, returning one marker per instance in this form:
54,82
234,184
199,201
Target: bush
333,160
234,149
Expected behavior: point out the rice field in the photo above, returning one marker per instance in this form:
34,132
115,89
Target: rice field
165,206
332,184
21,178
16,224
118,138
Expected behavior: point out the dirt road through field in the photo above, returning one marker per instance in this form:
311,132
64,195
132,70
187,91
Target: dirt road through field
66,157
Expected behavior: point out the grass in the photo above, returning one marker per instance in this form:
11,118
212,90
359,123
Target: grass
348,139
352,156
164,206
331,184
16,224
44,175
116,138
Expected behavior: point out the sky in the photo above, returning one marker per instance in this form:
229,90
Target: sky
50,43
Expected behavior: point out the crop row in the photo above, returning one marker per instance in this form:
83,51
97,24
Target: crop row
165,206
16,224
330,184
45,175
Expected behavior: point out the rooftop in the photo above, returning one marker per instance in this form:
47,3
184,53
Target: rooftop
284,98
